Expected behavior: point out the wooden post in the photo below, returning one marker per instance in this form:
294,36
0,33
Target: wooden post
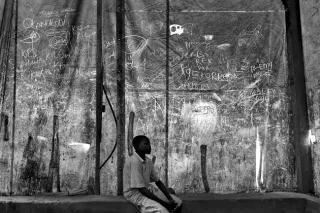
304,168
130,133
99,84
203,151
57,154
121,117
54,166
6,127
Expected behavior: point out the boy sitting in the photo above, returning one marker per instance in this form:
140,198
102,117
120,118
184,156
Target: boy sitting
138,173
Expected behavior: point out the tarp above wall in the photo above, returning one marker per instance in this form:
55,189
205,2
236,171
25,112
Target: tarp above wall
55,79
227,91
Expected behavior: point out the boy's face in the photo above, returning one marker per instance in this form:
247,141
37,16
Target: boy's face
145,147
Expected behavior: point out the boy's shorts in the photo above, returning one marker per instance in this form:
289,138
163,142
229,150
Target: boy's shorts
146,205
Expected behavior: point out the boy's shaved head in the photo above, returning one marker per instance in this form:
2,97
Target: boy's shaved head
138,139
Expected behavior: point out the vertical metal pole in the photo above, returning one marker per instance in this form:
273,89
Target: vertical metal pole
300,109
14,97
120,52
167,98
99,83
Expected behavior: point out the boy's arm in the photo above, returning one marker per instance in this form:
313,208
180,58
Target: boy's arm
164,189
150,195
154,177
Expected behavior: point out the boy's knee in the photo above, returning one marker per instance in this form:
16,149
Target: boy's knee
158,209
163,210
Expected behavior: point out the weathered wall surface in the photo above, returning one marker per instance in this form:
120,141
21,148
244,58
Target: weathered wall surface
310,20
227,91
55,77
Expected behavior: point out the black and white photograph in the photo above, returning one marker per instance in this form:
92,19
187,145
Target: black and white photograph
159,106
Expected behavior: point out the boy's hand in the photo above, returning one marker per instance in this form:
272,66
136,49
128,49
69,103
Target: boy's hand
171,205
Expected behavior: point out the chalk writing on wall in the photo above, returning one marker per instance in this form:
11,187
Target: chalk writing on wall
223,76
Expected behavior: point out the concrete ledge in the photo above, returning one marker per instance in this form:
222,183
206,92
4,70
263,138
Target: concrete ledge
279,202
313,205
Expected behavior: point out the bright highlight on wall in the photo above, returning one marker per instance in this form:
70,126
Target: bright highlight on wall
312,137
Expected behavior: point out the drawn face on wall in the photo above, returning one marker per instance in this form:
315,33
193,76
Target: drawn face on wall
176,29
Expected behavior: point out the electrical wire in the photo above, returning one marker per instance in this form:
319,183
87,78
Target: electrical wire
115,119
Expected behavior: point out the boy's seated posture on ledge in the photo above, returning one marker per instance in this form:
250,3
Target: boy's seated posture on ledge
138,173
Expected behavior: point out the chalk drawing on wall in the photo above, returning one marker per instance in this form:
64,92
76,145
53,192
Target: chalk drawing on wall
208,37
32,38
176,29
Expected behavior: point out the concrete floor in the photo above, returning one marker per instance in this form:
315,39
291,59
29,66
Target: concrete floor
276,202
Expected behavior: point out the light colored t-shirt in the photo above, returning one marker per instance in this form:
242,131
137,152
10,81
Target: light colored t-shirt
138,173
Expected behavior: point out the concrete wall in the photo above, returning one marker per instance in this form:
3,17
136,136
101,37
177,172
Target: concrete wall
230,116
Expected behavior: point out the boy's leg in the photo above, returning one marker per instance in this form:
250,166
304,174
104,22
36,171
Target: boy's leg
151,206
156,191
145,205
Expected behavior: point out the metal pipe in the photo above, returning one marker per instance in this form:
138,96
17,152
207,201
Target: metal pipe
99,84
166,168
121,117
14,97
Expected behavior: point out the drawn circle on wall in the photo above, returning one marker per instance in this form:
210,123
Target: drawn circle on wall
135,44
27,23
